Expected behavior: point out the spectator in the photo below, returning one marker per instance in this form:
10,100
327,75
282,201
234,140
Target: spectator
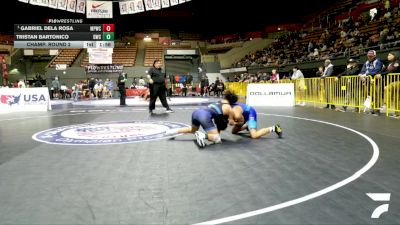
371,67
133,85
298,77
91,85
38,84
393,67
320,71
76,90
21,84
63,91
56,87
109,87
394,86
183,87
352,68
328,72
219,87
328,69
204,83
274,76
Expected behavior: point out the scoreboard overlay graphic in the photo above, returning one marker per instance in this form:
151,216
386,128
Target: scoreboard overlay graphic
64,35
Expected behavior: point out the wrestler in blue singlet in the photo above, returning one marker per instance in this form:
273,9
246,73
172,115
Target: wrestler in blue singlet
205,117
249,115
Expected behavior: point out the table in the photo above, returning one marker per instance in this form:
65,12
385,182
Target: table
136,92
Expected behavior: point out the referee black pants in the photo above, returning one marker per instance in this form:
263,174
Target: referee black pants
158,90
122,95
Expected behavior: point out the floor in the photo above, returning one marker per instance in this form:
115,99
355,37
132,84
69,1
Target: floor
56,169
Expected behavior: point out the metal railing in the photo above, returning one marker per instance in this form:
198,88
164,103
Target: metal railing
366,92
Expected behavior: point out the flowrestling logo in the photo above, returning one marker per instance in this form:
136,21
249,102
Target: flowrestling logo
108,133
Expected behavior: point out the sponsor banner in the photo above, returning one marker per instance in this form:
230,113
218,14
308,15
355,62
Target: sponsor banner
53,4
81,6
108,133
181,52
174,2
234,70
34,2
25,1
165,3
61,66
62,4
100,55
113,68
270,94
156,4
148,4
181,1
24,100
123,8
71,7
99,9
40,2
43,2
139,6
131,7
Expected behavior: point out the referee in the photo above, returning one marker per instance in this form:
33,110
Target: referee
121,87
157,87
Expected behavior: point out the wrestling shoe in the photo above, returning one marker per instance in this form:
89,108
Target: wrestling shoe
201,139
278,130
